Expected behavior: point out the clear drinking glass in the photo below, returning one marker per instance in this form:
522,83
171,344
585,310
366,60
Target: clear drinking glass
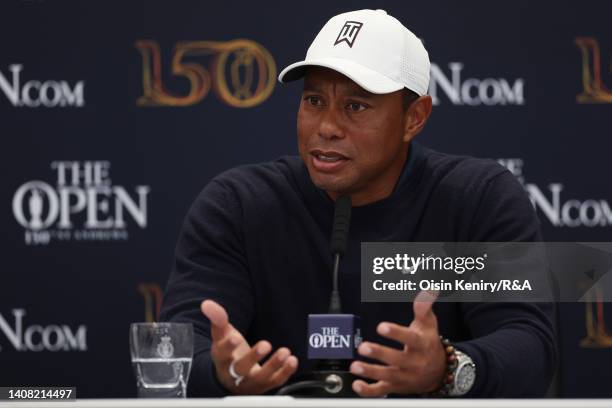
161,357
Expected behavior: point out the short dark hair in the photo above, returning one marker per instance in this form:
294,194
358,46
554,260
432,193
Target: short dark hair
408,97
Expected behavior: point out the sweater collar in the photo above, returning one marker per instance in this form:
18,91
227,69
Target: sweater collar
407,179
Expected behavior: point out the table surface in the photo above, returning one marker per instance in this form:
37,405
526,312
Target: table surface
289,402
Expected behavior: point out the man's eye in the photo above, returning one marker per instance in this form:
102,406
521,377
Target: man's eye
313,100
355,107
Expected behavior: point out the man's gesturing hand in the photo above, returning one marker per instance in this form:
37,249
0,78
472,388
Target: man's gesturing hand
418,368
228,346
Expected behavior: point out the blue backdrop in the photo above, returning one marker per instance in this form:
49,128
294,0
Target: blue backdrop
114,115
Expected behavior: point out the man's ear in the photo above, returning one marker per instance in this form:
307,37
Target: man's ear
416,116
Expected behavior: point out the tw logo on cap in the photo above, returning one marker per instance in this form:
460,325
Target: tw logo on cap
348,33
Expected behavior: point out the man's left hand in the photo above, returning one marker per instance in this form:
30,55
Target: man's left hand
418,368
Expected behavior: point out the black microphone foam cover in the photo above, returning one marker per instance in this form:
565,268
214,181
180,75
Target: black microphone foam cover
342,219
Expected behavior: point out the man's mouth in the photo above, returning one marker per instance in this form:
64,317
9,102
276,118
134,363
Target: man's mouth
327,160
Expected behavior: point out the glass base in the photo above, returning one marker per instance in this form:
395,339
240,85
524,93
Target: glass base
151,392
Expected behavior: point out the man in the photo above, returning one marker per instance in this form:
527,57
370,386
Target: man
254,258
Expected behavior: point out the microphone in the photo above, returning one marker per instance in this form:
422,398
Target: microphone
332,337
340,229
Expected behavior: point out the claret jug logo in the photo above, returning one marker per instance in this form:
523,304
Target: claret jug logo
348,33
593,87
242,73
83,205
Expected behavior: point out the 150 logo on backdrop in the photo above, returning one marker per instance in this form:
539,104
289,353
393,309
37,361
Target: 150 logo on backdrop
593,88
83,205
152,294
35,93
559,212
242,73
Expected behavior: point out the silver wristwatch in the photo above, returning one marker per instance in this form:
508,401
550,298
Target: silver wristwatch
464,375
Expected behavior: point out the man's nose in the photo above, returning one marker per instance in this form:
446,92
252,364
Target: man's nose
330,126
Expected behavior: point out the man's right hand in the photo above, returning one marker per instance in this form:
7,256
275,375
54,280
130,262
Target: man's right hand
228,345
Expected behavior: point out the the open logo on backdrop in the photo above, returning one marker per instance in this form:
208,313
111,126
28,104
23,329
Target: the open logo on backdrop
593,88
242,73
82,205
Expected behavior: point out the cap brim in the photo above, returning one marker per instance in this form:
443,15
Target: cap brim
366,78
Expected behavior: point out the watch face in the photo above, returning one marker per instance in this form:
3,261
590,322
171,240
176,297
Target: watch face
466,374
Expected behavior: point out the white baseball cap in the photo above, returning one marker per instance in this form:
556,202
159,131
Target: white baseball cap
370,47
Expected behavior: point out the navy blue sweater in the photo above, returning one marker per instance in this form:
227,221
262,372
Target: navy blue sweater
256,240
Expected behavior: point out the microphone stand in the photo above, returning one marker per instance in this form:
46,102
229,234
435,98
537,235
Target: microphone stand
332,377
